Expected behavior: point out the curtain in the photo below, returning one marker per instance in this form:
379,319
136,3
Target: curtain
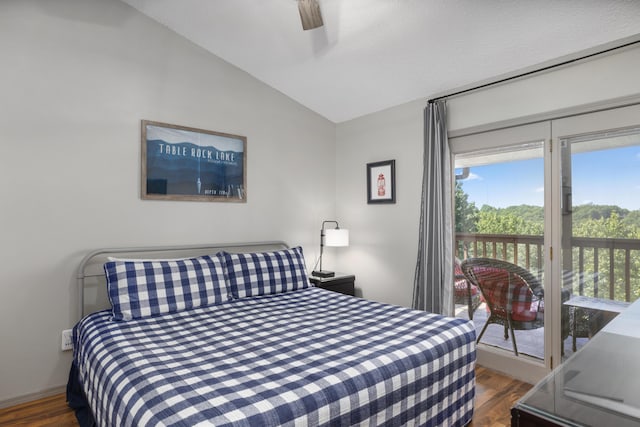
433,283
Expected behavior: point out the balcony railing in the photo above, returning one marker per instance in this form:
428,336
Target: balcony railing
605,268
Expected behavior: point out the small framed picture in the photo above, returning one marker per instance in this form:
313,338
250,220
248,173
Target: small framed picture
381,182
183,163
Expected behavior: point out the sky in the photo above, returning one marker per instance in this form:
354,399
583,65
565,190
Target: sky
604,177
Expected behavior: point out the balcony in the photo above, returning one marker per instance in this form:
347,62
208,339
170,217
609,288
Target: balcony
596,267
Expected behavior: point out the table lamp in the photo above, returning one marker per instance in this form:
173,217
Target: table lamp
334,237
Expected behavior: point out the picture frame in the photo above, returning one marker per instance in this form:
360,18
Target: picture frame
189,164
381,182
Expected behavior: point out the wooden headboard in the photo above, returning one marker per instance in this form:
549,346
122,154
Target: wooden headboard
93,285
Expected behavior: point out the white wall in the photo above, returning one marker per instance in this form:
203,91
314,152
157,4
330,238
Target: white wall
383,246
77,76
383,237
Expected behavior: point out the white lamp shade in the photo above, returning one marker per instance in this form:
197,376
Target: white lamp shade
336,237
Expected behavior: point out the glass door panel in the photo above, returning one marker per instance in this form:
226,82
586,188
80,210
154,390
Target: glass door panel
500,216
600,230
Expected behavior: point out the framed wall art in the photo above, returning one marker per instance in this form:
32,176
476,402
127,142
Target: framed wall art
381,182
183,163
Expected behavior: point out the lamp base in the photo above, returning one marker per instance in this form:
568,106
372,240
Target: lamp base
323,273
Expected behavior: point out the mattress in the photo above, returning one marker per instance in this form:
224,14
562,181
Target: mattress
309,357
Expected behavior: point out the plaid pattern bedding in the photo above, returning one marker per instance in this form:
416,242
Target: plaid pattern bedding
149,288
262,273
307,358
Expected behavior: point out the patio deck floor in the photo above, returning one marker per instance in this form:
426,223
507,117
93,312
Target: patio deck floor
529,342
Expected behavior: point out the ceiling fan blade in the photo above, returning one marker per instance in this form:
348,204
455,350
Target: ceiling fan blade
310,14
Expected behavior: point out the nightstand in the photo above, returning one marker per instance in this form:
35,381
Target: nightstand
343,283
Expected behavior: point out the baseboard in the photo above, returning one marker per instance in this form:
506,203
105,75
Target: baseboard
32,396
521,368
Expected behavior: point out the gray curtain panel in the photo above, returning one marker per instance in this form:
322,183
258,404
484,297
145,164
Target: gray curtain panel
433,284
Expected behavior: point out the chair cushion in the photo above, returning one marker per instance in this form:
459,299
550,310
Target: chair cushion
461,288
460,284
495,288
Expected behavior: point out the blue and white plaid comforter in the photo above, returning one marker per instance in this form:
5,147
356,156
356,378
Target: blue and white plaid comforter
307,358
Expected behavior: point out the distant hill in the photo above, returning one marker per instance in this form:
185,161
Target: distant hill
535,214
529,213
632,219
591,211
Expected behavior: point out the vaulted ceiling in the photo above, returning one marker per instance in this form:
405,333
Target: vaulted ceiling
375,54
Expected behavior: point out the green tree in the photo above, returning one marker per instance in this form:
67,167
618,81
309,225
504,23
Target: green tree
497,221
591,211
466,212
632,219
590,221
531,214
606,227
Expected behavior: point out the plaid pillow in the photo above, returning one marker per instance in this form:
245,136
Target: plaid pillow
147,288
263,273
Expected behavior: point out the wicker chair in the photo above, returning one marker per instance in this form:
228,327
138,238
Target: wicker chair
584,323
464,292
514,296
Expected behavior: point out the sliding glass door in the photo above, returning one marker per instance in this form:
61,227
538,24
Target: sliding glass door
599,225
560,201
500,195
500,229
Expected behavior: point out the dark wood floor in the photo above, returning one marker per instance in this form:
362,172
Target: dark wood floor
495,395
50,411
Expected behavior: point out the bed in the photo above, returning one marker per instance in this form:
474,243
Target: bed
263,348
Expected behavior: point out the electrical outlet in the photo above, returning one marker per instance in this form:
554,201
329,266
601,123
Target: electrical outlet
67,340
